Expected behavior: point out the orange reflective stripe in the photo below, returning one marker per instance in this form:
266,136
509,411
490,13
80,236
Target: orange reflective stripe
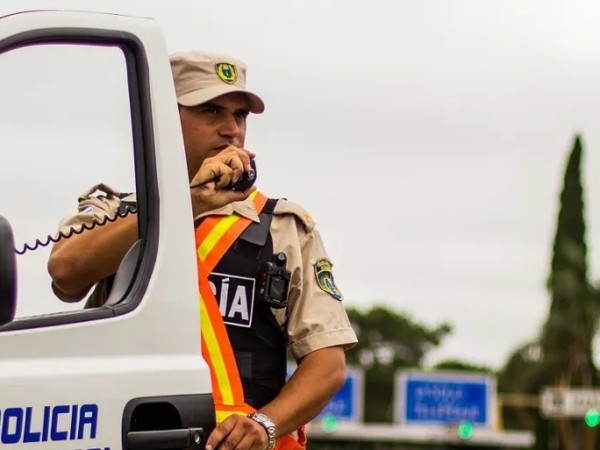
224,411
219,228
224,372
208,223
216,390
214,236
288,442
228,230
235,229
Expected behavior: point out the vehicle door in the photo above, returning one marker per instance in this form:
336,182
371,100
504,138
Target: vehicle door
128,374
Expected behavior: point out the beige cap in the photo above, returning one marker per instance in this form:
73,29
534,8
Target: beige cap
200,77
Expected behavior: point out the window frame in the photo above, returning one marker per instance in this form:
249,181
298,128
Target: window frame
144,163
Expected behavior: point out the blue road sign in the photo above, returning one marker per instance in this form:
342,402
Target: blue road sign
445,398
347,404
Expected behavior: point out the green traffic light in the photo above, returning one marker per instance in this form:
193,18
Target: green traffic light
465,430
592,418
329,423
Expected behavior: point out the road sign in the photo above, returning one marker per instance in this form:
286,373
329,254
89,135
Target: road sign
569,402
445,398
347,404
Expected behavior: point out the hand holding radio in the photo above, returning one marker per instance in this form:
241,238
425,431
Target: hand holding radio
226,177
246,181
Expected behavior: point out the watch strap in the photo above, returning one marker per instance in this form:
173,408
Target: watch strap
266,422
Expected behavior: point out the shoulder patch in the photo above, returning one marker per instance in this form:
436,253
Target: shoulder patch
284,206
324,277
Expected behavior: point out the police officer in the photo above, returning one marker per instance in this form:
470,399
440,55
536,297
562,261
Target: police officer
273,285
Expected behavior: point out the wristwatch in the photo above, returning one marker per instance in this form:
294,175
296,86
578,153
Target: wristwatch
268,425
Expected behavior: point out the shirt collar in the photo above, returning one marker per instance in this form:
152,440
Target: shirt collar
245,208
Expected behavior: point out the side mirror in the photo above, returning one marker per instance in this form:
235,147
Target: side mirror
8,273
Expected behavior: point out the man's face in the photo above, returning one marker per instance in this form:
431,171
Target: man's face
212,126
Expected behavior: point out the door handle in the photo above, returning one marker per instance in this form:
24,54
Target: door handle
165,439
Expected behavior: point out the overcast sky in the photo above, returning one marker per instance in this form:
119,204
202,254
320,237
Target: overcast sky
427,139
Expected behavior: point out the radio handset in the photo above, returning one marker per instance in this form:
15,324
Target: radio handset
247,179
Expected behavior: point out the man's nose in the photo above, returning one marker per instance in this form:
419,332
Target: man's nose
229,127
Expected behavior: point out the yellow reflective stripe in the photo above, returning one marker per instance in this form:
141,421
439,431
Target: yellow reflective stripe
215,235
222,415
212,344
218,231
208,333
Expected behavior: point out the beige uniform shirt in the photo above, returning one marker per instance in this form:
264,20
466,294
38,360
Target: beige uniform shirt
315,316
91,209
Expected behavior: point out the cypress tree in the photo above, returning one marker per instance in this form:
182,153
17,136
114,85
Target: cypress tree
570,325
567,335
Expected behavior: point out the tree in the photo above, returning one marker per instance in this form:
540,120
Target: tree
387,341
520,378
562,354
567,335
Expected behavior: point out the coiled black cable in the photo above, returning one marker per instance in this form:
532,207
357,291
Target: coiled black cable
72,231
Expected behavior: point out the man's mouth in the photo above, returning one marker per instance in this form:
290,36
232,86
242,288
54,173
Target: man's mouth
221,147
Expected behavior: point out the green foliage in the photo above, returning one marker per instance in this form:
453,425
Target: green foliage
563,353
388,341
569,242
462,366
389,338
567,335
519,376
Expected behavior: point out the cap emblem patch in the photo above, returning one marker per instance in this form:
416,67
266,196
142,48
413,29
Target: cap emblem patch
226,72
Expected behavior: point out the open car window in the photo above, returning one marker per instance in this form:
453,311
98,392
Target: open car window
65,126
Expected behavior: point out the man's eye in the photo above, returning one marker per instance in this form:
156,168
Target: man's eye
242,114
210,111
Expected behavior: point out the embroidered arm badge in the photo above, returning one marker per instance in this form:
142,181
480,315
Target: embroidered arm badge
325,278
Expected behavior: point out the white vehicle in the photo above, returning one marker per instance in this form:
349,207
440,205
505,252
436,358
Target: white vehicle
130,374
